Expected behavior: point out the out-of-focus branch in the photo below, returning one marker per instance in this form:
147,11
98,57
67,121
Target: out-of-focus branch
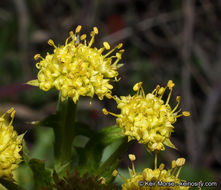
23,20
186,79
142,26
204,63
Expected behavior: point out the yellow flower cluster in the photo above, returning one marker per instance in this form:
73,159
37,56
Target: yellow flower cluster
10,146
157,179
147,118
76,69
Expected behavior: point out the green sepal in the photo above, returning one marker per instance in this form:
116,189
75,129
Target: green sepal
42,175
33,82
168,143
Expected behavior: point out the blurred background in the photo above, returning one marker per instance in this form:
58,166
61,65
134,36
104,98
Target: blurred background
177,40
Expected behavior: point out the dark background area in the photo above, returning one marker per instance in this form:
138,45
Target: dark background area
174,39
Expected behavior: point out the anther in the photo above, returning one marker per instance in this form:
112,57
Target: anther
51,43
83,36
106,45
95,30
37,56
105,111
78,29
186,113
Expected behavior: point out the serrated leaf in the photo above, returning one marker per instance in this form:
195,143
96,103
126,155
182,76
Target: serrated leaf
42,175
168,143
10,184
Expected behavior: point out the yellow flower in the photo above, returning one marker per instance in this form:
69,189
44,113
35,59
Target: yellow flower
147,118
157,179
77,69
10,146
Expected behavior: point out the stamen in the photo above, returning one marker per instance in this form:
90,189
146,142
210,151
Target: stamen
95,29
161,167
51,43
116,47
92,39
83,37
37,56
108,96
137,86
107,112
120,45
161,91
178,103
132,158
78,29
156,90
186,113
168,98
106,45
170,84
178,173
12,116
155,160
180,161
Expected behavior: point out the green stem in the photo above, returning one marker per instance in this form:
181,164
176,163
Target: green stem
64,131
155,160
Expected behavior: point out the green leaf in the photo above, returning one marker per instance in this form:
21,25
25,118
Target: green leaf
10,185
106,169
49,121
42,175
89,159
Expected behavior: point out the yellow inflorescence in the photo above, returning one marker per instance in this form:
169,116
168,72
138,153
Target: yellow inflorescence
154,179
76,69
147,118
10,146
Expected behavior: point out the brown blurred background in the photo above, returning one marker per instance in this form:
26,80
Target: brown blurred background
174,39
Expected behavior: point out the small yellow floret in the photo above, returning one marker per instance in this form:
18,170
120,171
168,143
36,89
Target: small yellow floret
78,69
10,146
147,118
132,157
157,175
